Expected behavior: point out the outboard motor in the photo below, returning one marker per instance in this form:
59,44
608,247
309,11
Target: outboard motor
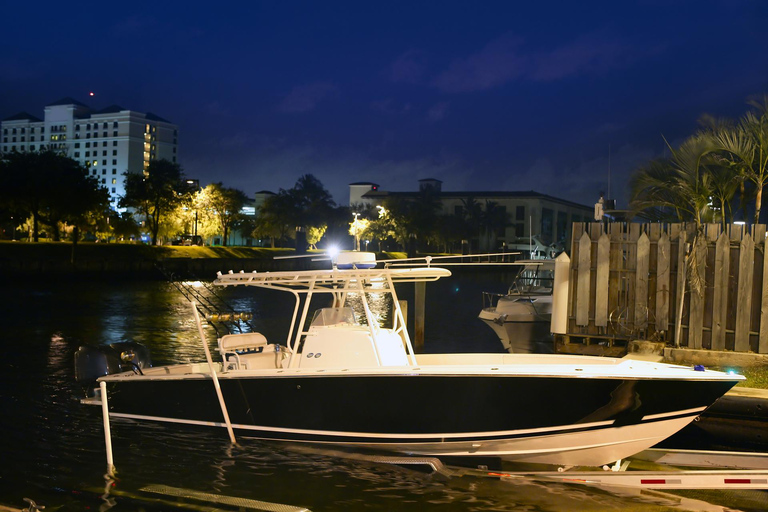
94,361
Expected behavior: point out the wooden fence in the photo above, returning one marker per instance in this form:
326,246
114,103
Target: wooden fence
627,281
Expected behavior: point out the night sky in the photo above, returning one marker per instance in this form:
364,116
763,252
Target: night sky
481,95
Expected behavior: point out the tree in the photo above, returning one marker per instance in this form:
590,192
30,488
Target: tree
223,206
276,218
53,189
155,193
681,184
289,213
746,148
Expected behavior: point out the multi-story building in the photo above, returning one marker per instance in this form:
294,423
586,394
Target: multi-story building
108,142
528,213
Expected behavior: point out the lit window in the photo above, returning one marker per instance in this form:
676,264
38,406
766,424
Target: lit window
114,180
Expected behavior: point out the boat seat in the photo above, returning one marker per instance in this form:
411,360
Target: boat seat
242,342
237,349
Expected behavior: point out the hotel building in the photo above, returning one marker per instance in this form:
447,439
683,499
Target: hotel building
107,142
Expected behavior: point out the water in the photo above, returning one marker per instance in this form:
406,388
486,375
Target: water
53,447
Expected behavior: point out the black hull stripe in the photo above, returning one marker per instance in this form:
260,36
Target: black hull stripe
348,437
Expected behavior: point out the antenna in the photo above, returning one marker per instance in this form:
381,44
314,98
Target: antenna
609,172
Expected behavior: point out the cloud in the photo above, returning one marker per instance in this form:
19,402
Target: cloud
273,166
587,54
508,59
305,98
410,67
390,107
438,112
582,180
498,63
134,25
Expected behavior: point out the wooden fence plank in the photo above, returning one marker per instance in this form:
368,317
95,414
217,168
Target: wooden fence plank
698,268
663,263
641,282
582,296
762,343
720,299
744,305
681,285
601,285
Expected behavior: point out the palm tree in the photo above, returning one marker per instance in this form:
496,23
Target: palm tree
746,148
681,184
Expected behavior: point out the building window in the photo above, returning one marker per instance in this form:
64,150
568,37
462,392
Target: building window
32,147
95,163
103,181
42,129
547,221
87,154
520,213
77,144
104,153
114,171
14,131
104,144
114,143
105,133
77,154
77,127
104,171
104,162
114,125
113,190
520,230
114,152
87,144
87,135
114,180
105,126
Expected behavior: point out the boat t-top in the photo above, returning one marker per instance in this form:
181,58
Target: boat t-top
345,376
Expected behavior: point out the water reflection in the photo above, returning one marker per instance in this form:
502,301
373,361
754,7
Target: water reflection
53,447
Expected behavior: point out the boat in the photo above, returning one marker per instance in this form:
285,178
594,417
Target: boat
521,318
347,377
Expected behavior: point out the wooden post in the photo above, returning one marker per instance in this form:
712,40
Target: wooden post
419,299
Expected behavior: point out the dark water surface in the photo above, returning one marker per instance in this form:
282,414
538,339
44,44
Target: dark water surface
52,447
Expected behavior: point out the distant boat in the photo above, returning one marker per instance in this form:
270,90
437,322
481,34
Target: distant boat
354,381
521,318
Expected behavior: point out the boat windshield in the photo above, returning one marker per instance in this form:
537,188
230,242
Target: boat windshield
333,316
533,278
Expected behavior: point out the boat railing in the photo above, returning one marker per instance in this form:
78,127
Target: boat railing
491,299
